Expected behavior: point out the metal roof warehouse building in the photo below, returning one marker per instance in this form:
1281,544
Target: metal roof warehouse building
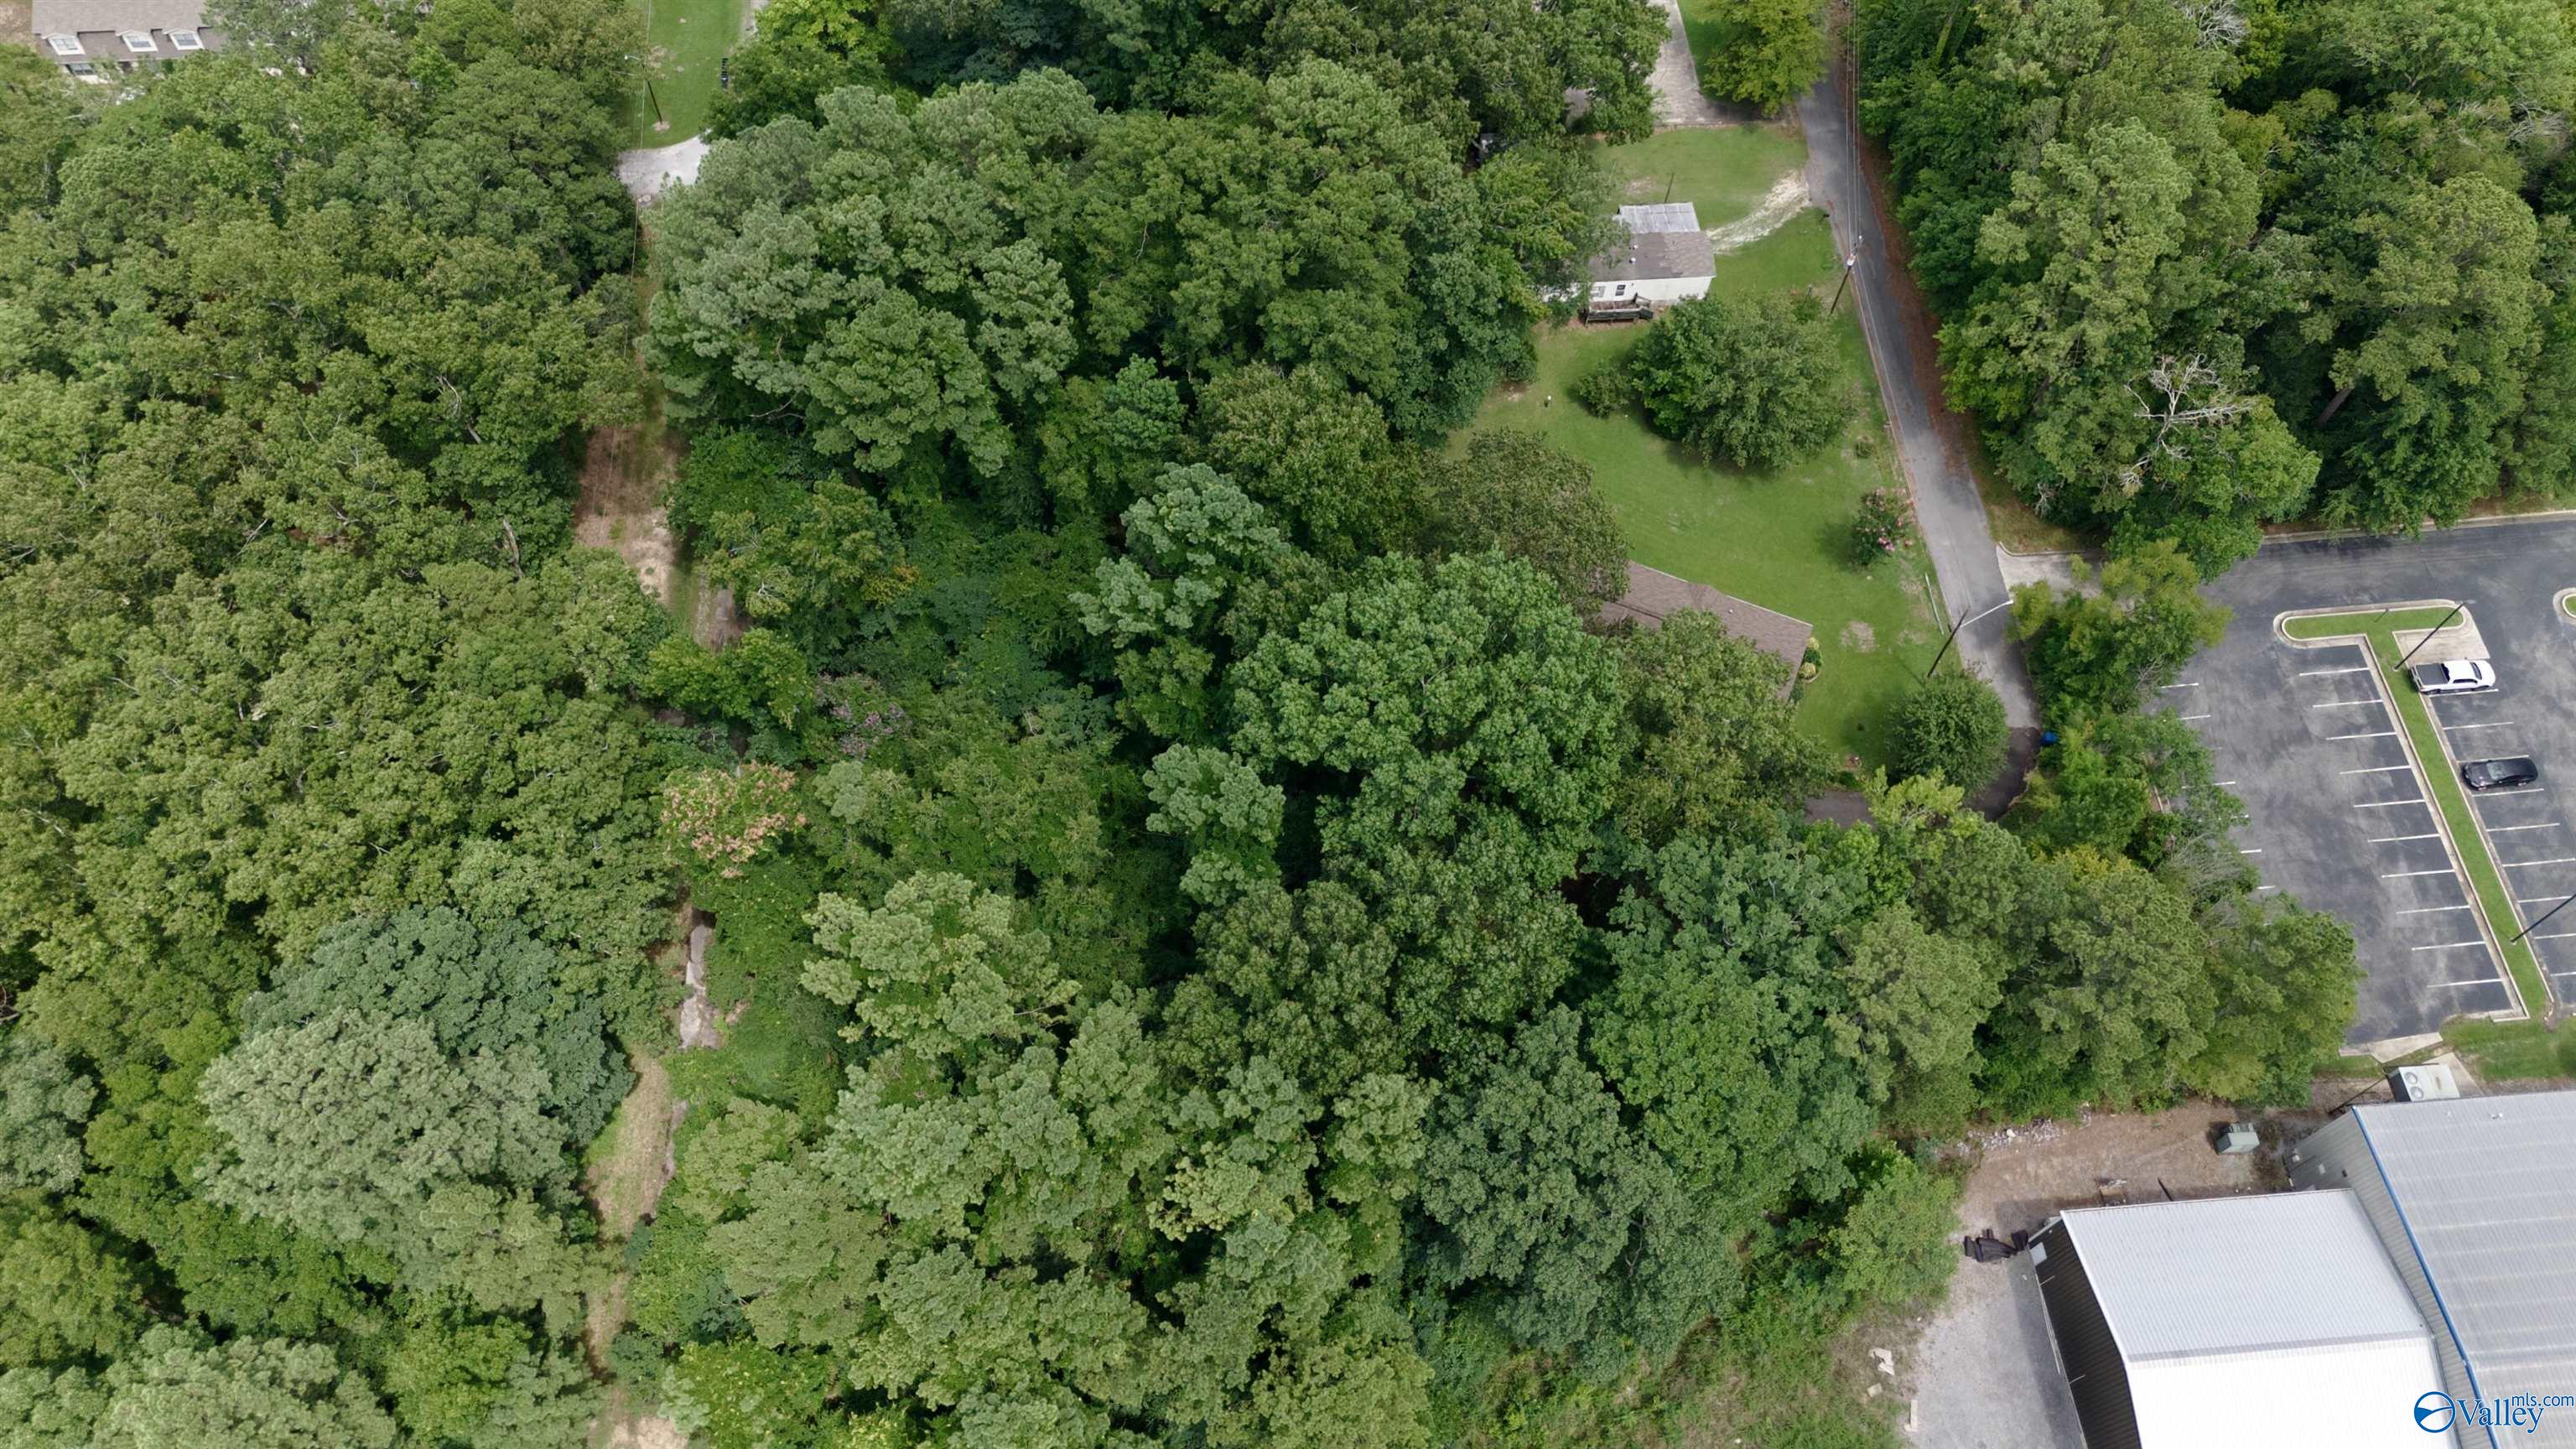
2271,1321
2475,1200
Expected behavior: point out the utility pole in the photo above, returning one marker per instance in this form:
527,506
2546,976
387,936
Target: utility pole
2428,638
1849,262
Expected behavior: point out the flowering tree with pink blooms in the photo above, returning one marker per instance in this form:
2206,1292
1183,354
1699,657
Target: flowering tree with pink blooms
1883,527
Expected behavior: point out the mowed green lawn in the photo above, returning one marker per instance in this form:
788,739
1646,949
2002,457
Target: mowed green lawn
688,40
1777,538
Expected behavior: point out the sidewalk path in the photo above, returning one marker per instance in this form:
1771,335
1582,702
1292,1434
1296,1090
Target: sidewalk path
1928,435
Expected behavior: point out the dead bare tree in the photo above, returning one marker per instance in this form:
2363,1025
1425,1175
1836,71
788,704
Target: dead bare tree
2193,397
2214,22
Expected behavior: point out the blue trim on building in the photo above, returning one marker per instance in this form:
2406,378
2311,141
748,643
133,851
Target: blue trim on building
2361,1121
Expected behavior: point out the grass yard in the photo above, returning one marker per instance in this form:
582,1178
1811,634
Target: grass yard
1724,173
1778,539
687,41
2513,1041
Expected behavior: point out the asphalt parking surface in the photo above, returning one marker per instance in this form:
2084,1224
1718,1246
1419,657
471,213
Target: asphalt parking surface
2339,821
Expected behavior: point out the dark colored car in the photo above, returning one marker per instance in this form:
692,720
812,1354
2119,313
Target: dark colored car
2497,774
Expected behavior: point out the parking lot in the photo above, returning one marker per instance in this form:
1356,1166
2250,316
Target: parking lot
2526,831
2338,817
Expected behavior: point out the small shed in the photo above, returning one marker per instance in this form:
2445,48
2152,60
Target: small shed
2233,1323
1662,256
1654,595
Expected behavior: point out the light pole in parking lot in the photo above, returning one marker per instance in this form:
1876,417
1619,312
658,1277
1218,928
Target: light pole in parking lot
2428,638
2545,915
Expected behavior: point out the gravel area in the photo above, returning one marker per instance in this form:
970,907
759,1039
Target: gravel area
1984,1373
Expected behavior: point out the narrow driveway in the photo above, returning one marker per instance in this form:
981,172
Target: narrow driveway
1952,515
648,172
1678,99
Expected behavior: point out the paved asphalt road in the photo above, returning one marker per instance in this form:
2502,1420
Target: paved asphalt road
1946,503
2310,749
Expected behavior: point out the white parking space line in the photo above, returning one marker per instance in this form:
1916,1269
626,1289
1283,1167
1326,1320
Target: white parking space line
2190,717
2497,724
2453,945
2431,910
2186,684
2525,790
2551,936
2393,839
2380,735
2348,669
2389,804
2343,704
2481,981
2378,769
2553,860
2506,829
2403,874
2538,900
2258,850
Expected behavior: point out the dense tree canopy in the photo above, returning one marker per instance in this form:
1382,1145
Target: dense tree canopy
1131,898
2211,266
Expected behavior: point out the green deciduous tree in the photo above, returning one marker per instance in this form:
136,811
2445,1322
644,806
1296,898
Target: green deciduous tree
795,545
483,990
1509,490
1191,546
43,1103
259,1393
2098,653
1539,1192
67,1294
1771,52
1952,725
1753,383
1729,1027
1471,730
344,1126
1717,747
1893,1245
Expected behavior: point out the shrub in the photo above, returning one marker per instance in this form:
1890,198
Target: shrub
1605,390
1952,726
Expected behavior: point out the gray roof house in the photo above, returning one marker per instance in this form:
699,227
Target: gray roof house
2475,1201
95,40
1661,256
1653,594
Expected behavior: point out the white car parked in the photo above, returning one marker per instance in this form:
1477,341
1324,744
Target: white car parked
2455,676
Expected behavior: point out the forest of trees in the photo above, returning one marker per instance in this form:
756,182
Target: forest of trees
1253,964
2205,265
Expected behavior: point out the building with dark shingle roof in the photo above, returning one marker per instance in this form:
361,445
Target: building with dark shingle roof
95,40
1654,595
